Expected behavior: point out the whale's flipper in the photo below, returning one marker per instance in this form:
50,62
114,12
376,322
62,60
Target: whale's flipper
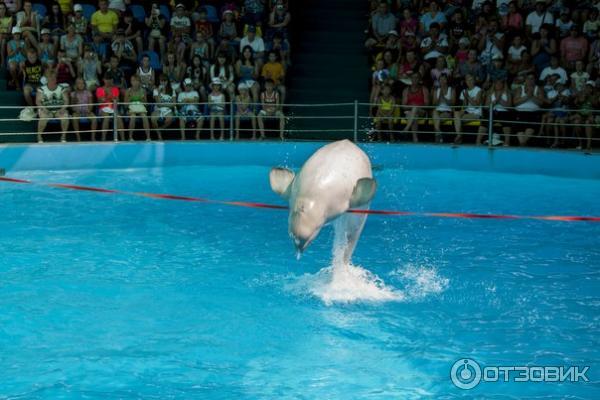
363,192
281,181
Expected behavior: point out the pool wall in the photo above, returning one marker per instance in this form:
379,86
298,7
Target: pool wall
15,158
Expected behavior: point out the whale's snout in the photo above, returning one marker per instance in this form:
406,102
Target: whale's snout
301,244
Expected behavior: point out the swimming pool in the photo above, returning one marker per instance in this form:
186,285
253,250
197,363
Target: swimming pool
115,296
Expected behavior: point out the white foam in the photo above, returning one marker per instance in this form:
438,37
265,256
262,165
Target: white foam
347,283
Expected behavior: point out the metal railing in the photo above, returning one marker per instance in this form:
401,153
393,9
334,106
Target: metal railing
354,120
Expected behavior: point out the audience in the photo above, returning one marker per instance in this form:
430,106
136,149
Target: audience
209,57
536,64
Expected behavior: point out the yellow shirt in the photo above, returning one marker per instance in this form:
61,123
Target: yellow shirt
273,71
105,23
65,6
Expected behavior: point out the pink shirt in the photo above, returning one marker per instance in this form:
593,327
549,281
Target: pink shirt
573,49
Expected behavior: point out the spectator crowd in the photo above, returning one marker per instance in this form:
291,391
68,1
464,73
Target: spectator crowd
180,66
442,64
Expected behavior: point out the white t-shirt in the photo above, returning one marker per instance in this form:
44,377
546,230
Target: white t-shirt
258,45
516,53
180,22
434,53
185,96
536,20
472,94
549,71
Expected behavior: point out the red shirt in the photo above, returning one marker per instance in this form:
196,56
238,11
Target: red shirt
105,98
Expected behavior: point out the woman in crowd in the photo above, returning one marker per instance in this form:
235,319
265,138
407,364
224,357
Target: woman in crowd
164,110
414,98
472,99
444,98
135,99
247,72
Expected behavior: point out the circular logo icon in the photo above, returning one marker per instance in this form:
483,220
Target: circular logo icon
465,373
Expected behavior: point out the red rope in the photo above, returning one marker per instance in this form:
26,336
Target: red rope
563,218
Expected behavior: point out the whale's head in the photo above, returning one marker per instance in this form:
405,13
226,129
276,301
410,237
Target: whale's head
307,217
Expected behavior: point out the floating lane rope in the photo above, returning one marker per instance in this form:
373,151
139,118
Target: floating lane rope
159,196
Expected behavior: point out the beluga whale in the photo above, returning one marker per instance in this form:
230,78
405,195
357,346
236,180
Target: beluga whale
336,178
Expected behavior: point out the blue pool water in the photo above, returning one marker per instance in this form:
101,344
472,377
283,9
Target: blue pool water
109,296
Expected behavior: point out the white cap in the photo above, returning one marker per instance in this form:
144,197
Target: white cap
16,29
45,31
243,86
187,81
77,7
216,81
592,83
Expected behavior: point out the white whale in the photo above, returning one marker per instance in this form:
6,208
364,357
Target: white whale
335,178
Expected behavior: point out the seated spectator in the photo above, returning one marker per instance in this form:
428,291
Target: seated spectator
28,21
380,77
158,30
573,48
146,74
52,101
6,22
100,47
382,21
434,15
513,20
104,21
528,100
279,20
491,43
408,23
174,69
82,108
538,17
462,54
198,74
564,23
472,98
253,11
471,67
525,68
181,29
204,27
435,44
257,44
246,72
271,108
72,44
441,68
515,54
216,108
543,46
54,21
457,28
414,98
46,48
228,29
124,50
499,99
189,110
244,110
592,24
116,72
586,102
579,77
201,49
554,68
107,95
135,98
64,70
594,56
133,29
444,98
386,107
33,70
79,21
15,50
223,70
408,66
164,111
496,72
275,71
89,69
554,92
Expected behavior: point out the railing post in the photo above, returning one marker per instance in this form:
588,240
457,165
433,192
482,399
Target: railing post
115,133
355,121
491,124
231,120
